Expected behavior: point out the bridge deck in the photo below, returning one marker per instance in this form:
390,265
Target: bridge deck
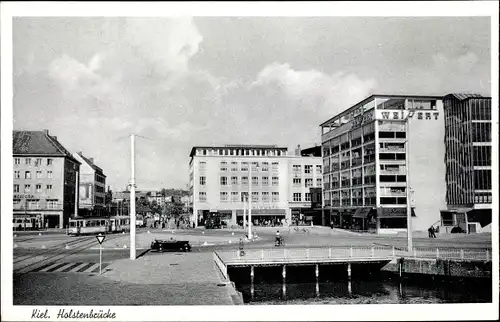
337,255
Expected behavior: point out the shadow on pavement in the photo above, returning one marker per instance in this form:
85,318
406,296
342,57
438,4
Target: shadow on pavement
143,253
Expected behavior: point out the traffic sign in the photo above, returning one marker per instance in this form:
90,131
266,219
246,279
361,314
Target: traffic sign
100,238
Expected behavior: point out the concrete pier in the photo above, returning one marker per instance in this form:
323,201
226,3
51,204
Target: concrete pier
440,267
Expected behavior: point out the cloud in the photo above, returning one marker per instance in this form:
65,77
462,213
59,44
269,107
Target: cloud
93,81
167,43
317,90
285,106
448,73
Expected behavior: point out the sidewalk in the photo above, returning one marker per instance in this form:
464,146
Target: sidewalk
191,278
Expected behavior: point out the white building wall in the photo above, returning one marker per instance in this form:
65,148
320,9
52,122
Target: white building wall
427,168
213,188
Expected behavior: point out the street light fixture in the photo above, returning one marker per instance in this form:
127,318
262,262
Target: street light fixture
250,199
407,172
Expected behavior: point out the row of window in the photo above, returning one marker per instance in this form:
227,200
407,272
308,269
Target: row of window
38,188
27,174
36,162
297,182
368,201
35,203
481,155
242,152
481,132
308,182
240,197
308,168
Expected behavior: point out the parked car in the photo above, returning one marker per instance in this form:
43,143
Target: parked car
170,245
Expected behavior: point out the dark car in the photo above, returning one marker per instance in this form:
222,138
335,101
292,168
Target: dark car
170,245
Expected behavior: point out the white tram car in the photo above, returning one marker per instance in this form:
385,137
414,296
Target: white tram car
98,225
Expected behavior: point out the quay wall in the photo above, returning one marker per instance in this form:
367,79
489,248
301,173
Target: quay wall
441,267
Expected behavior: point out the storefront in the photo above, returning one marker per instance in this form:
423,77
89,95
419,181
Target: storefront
346,220
393,219
365,219
263,217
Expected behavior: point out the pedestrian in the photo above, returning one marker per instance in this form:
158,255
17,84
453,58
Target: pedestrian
433,231
430,231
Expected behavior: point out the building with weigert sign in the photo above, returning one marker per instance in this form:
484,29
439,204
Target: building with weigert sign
380,154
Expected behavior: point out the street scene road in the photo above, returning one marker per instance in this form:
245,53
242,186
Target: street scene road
55,264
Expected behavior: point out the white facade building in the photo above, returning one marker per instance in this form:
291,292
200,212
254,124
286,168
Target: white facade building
220,179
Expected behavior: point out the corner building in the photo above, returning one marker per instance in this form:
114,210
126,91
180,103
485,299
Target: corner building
45,181
468,163
378,155
220,182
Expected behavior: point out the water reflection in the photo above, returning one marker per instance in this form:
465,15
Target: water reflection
358,291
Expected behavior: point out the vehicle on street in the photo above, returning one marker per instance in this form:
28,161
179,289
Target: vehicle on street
170,245
98,225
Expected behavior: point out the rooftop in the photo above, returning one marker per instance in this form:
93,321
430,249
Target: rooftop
369,98
38,143
464,96
90,162
236,146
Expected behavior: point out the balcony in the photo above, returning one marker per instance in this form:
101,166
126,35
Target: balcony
392,149
393,193
357,161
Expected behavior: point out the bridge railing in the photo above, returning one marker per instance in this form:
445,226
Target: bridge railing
483,254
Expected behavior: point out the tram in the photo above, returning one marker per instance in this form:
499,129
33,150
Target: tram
98,225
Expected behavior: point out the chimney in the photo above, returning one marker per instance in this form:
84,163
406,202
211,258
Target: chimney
91,160
80,153
46,131
297,151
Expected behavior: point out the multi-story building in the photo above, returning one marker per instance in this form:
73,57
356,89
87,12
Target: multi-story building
157,197
468,162
92,187
45,181
221,178
378,155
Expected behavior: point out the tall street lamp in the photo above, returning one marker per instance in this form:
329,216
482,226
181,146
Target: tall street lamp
407,172
250,199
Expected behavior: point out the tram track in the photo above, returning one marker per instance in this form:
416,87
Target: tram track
48,250
81,245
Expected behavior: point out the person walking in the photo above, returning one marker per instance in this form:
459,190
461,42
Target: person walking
433,232
278,238
430,231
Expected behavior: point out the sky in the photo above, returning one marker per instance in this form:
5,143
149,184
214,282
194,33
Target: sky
179,82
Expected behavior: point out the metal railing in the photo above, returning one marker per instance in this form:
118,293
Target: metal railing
481,254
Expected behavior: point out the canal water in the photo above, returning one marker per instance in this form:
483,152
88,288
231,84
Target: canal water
367,287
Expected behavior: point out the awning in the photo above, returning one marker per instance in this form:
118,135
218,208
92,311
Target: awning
362,212
457,210
394,213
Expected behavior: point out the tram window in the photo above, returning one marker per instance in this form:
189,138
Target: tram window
103,223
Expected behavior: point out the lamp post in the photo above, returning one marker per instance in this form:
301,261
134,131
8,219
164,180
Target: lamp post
132,198
250,199
407,172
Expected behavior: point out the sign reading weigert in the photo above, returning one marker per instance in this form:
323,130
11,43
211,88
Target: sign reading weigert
403,114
